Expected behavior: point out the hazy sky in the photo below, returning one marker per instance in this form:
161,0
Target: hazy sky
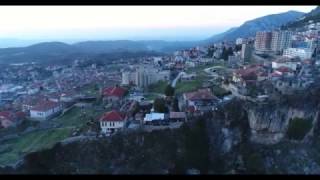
127,22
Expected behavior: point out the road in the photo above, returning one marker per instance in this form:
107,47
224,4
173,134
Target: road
174,82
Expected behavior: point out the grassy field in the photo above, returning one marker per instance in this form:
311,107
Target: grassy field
13,149
31,142
183,87
202,67
158,87
150,97
90,90
75,117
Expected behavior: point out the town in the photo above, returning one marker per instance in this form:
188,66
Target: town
151,93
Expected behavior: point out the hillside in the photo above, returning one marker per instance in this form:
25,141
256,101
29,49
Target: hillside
213,144
313,15
249,28
50,52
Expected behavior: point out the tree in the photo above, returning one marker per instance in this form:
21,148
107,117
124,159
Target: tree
175,105
159,105
169,91
238,47
226,53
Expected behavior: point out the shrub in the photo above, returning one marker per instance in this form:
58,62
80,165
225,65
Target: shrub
298,128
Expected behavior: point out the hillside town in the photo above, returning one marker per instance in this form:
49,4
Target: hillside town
152,93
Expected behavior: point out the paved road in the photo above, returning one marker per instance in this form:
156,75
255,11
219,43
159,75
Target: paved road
174,82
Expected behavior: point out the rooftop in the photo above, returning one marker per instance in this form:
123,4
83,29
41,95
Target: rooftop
200,94
112,116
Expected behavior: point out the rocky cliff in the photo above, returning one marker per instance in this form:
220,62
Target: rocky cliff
269,122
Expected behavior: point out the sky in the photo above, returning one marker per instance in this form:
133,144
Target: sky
127,22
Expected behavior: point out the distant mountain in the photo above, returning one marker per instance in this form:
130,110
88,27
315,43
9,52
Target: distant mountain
63,52
249,28
313,15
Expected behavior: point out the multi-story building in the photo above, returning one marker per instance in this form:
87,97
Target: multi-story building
148,75
262,42
246,52
302,53
280,40
128,78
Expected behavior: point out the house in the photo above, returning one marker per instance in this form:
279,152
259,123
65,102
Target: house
155,119
138,117
31,101
177,116
7,119
112,121
55,96
242,75
68,96
45,109
284,71
200,100
113,93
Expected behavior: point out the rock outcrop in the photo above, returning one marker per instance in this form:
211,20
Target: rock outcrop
269,122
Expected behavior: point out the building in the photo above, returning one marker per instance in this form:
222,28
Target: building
262,43
155,119
280,40
285,62
148,75
200,100
112,121
128,78
246,52
113,94
177,116
45,110
7,119
241,41
302,53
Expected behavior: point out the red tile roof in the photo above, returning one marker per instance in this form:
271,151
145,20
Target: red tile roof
114,91
6,115
112,116
283,69
45,105
200,94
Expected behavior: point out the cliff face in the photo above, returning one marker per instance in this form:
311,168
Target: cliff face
269,123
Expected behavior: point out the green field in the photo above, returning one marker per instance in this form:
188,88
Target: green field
202,67
31,142
150,97
183,87
13,149
91,90
76,117
158,87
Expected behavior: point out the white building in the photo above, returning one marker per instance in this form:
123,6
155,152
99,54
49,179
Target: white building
45,110
241,41
285,62
155,118
112,121
148,75
302,53
128,78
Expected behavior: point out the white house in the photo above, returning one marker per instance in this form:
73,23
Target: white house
45,110
112,121
303,53
155,119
